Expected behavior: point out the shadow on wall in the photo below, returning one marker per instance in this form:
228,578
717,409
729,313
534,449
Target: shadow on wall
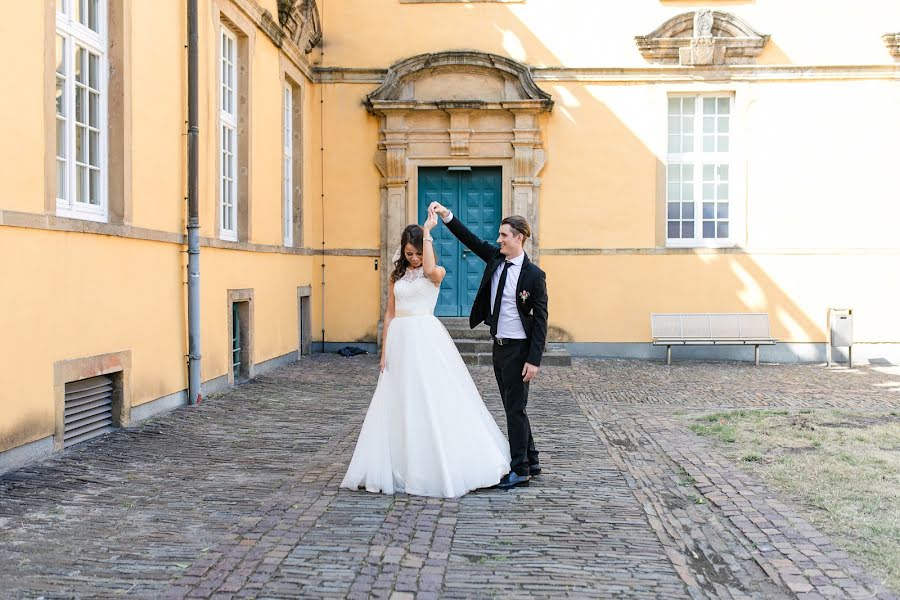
601,191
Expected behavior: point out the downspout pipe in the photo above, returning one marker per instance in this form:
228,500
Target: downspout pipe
193,220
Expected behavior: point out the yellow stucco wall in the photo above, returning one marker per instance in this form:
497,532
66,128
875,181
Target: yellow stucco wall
587,33
816,155
21,148
609,298
73,295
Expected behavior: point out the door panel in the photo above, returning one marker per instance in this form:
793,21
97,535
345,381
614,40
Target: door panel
475,197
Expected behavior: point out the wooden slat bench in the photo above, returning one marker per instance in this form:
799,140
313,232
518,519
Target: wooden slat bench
710,329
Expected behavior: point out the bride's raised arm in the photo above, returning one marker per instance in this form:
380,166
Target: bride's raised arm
429,263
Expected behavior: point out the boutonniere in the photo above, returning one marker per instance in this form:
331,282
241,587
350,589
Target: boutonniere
524,296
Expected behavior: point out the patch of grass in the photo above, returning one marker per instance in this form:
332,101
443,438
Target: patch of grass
842,466
721,430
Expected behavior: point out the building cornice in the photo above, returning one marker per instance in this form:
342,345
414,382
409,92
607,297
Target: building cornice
657,74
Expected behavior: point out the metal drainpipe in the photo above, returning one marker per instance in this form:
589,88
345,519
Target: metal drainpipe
193,221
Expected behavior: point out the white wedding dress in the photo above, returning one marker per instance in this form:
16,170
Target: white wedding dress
427,431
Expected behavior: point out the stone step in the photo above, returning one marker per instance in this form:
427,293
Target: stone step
473,345
476,347
554,357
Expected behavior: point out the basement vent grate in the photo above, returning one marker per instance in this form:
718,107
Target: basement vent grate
88,410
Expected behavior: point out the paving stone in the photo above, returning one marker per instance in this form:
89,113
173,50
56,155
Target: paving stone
239,498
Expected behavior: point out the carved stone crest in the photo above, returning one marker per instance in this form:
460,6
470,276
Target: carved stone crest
300,19
702,37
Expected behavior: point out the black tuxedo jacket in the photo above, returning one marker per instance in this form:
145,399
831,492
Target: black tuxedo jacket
531,291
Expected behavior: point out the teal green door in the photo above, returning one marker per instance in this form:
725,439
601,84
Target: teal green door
474,196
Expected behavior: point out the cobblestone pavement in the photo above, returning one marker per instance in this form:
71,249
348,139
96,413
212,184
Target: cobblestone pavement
239,498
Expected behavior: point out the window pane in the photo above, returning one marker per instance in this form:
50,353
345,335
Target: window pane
674,125
94,109
79,64
60,96
687,172
722,229
81,184
94,71
709,143
709,125
709,106
61,138
722,191
709,229
672,231
687,106
723,143
723,172
674,173
688,143
61,180
674,144
673,210
60,55
687,211
674,106
722,210
94,137
80,146
79,104
687,190
77,10
687,229
724,104
709,210
94,183
673,189
708,191
723,124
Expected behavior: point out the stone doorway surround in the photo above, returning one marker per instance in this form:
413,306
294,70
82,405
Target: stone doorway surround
463,109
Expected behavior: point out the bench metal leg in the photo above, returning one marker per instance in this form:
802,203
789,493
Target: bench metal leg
668,355
756,354
850,356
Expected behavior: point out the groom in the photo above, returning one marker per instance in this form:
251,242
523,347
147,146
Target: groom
512,300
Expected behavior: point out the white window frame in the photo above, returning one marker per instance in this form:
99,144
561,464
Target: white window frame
75,34
228,137
698,158
287,188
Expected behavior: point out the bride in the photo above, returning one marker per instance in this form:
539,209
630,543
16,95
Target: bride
427,431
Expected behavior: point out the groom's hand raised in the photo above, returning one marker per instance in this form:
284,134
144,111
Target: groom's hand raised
529,372
439,209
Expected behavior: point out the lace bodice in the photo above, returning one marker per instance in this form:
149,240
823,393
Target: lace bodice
414,294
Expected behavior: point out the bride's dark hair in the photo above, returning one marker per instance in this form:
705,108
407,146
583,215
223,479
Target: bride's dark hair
411,235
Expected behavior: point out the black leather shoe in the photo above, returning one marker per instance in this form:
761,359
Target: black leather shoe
513,479
534,470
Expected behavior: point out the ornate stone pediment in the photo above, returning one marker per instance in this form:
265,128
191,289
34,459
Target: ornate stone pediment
459,80
300,19
892,40
702,37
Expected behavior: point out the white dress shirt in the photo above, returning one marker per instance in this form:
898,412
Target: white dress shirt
509,324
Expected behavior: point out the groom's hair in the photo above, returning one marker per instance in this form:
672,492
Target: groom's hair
519,225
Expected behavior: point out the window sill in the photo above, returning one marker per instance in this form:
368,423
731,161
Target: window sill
96,217
702,244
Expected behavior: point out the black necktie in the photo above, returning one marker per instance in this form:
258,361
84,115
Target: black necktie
495,314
